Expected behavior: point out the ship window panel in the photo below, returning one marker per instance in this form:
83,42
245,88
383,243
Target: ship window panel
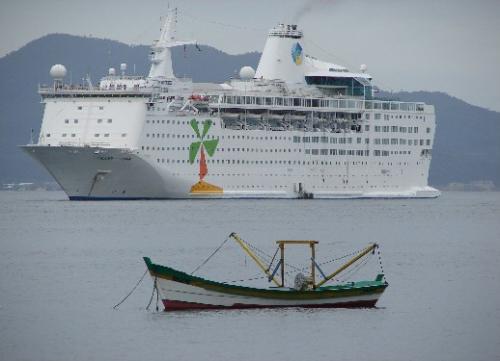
73,135
66,121
64,135
106,135
99,121
96,135
80,108
75,121
110,120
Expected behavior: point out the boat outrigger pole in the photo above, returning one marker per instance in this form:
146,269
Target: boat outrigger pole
252,255
363,253
314,265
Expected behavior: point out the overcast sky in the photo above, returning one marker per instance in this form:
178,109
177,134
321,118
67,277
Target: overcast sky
439,45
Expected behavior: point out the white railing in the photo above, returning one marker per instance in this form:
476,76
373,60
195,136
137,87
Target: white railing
308,104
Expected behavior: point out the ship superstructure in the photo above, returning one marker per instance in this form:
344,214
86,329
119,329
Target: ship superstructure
298,127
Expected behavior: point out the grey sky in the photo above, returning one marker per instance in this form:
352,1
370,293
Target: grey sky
444,45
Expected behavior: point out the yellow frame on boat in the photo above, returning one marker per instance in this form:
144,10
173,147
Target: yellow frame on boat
312,245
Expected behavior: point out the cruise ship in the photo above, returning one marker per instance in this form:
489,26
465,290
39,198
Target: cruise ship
296,127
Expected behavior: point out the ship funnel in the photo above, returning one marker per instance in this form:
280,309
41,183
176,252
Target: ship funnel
283,55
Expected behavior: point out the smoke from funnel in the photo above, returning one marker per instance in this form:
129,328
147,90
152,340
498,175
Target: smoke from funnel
310,6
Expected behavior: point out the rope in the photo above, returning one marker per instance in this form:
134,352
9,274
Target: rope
275,253
152,294
208,258
265,255
356,268
247,279
132,291
380,263
157,296
342,257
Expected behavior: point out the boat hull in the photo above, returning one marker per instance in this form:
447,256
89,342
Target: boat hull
180,291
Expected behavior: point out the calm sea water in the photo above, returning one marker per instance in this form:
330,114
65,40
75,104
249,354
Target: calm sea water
63,265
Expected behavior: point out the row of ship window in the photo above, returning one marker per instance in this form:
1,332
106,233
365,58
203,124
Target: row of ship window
96,135
313,162
323,151
396,129
377,153
401,141
356,152
99,121
178,122
378,116
242,137
81,107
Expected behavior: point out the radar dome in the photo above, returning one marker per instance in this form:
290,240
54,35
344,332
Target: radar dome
58,71
111,71
363,68
247,72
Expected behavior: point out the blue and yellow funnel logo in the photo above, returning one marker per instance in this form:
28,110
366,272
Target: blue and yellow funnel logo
297,53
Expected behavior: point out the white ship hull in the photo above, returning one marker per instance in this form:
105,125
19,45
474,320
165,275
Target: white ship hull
90,173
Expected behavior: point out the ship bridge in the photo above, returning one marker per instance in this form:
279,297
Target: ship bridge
342,83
